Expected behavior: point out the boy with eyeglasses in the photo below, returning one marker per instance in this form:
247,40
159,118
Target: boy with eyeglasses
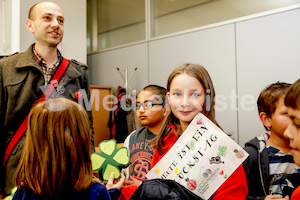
151,112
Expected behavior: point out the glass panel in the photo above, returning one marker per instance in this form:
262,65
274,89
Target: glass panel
177,15
120,22
5,27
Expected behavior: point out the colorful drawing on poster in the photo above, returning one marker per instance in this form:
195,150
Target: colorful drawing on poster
222,151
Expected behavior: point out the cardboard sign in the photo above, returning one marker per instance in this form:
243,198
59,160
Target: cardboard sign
202,159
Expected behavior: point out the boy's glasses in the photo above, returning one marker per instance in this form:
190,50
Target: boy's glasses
147,104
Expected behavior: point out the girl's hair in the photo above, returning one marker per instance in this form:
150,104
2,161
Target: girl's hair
56,155
200,73
292,98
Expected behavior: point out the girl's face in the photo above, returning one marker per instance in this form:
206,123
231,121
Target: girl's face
186,98
293,133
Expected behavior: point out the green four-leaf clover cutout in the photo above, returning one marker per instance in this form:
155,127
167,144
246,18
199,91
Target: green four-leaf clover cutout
110,159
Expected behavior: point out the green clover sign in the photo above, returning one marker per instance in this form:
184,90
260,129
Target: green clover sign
110,159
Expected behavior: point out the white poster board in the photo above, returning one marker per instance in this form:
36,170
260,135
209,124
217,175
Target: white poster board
202,159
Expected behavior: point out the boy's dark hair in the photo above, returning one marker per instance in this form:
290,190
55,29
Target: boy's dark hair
292,98
269,97
156,90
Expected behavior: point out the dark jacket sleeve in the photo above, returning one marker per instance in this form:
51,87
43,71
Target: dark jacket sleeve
253,170
85,90
163,189
87,87
98,192
114,193
2,134
251,161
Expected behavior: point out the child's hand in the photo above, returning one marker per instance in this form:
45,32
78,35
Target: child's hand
277,197
113,184
132,181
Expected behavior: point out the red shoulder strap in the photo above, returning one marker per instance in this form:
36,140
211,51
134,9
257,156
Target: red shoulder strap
22,129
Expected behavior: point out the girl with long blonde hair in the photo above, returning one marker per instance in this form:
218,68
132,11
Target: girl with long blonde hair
190,90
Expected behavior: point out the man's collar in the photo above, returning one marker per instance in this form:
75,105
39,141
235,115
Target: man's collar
40,59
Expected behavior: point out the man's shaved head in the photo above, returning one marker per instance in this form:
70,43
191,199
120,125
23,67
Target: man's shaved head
31,13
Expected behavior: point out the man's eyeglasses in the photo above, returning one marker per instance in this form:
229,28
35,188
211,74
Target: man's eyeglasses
147,104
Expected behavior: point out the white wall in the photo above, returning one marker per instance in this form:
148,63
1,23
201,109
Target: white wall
242,58
212,12
5,27
267,51
103,67
214,49
74,42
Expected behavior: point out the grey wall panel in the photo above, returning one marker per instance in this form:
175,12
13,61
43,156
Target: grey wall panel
242,58
104,66
214,49
267,51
